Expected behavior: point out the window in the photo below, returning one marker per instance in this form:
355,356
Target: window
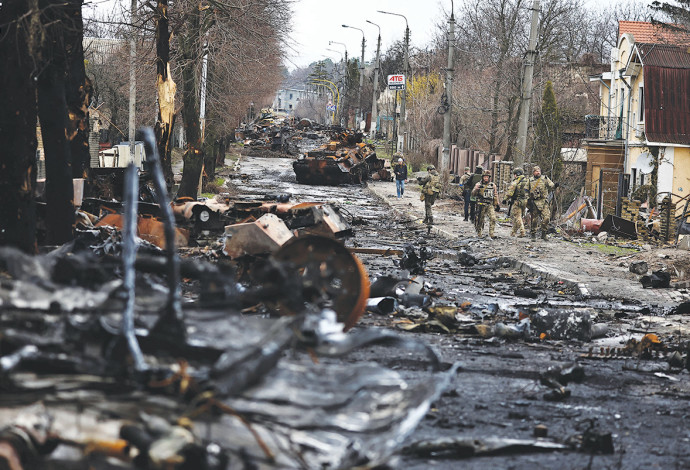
640,104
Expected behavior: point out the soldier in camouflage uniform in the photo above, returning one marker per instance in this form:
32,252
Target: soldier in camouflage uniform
487,198
431,186
466,190
516,197
539,187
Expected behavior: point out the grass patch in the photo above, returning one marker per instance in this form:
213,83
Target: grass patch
610,249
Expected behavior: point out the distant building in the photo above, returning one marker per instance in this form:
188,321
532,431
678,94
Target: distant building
287,99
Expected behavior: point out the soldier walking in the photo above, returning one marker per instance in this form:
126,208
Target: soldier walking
539,186
516,198
466,190
431,187
486,193
471,183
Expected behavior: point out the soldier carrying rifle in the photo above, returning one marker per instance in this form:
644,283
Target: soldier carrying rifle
487,198
517,194
538,204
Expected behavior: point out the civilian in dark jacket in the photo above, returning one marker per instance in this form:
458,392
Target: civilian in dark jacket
400,170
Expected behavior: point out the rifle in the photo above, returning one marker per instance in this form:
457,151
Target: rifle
479,214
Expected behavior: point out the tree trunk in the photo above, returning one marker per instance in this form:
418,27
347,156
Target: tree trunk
166,91
78,90
194,153
53,115
222,148
17,126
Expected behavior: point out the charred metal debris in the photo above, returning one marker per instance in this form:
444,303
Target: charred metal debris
130,372
345,159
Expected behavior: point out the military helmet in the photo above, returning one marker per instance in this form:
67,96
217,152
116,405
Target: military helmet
430,167
467,168
518,171
479,169
486,173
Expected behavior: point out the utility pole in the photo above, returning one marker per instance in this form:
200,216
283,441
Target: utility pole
521,143
132,78
202,99
403,116
377,67
345,81
445,157
360,112
406,68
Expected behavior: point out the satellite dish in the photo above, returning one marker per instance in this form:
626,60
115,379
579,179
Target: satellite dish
644,163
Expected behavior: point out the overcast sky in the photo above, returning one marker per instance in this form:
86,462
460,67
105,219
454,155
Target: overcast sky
316,22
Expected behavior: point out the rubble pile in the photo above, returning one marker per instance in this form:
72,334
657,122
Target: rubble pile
132,372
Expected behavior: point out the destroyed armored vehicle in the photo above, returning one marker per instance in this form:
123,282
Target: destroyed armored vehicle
346,160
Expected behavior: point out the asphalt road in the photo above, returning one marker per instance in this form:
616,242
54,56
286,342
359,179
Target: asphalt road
640,401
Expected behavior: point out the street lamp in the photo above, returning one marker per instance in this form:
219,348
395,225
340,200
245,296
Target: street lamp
337,72
360,113
406,66
377,66
330,43
347,73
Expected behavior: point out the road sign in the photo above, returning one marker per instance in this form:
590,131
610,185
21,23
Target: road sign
396,82
330,107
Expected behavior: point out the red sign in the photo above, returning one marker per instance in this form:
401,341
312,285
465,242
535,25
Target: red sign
396,82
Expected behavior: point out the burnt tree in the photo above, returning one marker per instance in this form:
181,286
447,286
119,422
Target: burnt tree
166,90
19,34
78,90
194,154
62,25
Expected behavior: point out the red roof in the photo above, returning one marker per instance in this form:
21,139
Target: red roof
643,31
664,55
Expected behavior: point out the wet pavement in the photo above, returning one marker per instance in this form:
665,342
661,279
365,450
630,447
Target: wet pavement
639,399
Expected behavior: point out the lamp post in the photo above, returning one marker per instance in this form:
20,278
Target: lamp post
337,71
406,66
347,71
360,113
377,67
448,105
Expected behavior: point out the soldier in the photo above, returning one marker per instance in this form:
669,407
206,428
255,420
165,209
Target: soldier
487,197
516,198
473,180
539,187
466,190
431,186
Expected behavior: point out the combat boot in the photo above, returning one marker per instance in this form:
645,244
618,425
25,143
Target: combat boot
533,236
543,235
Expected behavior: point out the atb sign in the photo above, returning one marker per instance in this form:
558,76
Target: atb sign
396,82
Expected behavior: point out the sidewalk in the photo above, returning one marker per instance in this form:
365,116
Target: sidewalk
594,273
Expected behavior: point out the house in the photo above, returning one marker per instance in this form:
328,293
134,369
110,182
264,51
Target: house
287,99
644,106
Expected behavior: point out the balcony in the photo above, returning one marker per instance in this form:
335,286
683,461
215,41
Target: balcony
604,127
